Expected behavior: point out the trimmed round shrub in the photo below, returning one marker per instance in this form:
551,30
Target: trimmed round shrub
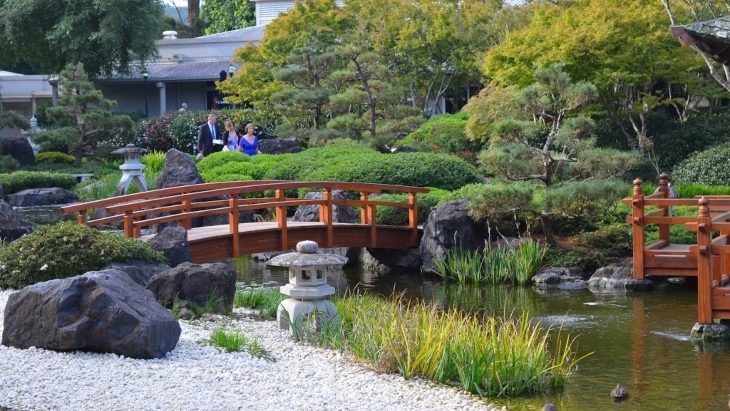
219,159
300,165
444,133
23,180
706,167
54,157
398,215
65,250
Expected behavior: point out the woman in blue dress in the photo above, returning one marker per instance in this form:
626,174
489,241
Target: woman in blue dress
249,143
231,137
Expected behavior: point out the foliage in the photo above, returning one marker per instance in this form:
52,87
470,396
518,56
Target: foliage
588,198
54,157
226,15
297,166
492,104
486,356
492,265
612,240
23,180
8,164
444,133
266,300
234,341
706,167
106,37
64,250
399,216
495,200
154,162
83,116
562,255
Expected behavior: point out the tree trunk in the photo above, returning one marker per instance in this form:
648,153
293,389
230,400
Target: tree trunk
547,228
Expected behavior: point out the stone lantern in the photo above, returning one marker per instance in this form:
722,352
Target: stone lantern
307,286
32,131
131,169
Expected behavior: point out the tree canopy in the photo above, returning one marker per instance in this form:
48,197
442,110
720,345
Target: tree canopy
106,36
226,15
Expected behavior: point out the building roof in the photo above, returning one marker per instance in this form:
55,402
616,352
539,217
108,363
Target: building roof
712,37
250,34
176,71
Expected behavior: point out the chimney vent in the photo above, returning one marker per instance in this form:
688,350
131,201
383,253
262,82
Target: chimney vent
169,35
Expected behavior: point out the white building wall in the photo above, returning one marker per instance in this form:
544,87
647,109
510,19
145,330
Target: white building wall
267,10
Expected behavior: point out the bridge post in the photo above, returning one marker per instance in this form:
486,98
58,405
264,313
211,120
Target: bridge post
364,209
704,263
82,217
233,225
664,191
187,207
281,218
637,229
129,224
413,217
325,216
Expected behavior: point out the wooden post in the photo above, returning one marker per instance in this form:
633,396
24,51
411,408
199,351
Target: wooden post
413,218
704,263
372,241
363,209
664,191
129,224
637,229
233,224
82,217
281,219
185,222
325,216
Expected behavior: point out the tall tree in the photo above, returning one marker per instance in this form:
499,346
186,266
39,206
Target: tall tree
83,116
226,15
107,36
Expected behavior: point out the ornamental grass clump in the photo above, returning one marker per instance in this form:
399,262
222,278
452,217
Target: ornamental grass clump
64,250
266,300
490,357
493,265
235,341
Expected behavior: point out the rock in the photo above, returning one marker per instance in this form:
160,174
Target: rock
560,278
710,332
179,170
340,214
619,393
618,277
100,311
173,242
101,213
194,282
403,149
139,271
34,197
370,263
549,407
12,224
401,260
19,148
279,146
448,227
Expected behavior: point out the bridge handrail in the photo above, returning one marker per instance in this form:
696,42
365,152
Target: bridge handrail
135,207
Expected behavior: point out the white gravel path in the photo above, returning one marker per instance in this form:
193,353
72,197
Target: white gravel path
196,376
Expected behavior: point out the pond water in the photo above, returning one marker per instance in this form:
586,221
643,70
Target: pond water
639,339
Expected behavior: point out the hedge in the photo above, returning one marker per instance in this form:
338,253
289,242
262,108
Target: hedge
23,180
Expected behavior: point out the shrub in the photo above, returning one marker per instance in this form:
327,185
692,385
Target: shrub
64,250
399,216
154,162
706,167
444,133
560,255
219,159
54,157
8,164
612,240
23,180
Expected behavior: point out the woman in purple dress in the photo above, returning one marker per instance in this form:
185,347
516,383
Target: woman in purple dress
249,143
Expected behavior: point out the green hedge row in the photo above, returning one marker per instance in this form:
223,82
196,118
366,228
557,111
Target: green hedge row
23,180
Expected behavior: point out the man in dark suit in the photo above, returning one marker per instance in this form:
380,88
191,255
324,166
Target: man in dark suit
207,133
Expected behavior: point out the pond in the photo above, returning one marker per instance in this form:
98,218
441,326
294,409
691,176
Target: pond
639,339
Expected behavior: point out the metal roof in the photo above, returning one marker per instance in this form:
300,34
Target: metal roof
176,71
712,37
254,33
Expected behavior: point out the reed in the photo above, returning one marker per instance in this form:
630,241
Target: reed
235,341
266,300
487,356
493,265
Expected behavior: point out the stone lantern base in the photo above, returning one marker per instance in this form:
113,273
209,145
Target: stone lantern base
293,313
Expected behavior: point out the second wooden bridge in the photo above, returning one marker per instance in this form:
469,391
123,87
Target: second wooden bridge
183,205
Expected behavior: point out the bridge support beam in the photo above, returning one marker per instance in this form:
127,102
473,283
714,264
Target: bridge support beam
281,219
233,225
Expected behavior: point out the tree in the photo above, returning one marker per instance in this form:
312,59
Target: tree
623,47
226,15
107,36
84,117
546,142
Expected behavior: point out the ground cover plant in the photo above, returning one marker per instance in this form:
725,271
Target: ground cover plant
64,250
490,357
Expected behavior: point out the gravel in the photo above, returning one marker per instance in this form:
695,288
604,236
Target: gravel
197,376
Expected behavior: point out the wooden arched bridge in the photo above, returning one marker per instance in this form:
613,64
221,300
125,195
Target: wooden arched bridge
708,258
185,204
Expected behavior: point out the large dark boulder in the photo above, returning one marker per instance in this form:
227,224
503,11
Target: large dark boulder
173,242
280,146
447,228
12,224
100,311
194,282
340,214
560,278
382,259
618,277
139,271
34,197
19,148
179,170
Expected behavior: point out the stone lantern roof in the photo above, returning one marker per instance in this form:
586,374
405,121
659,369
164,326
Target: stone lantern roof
306,256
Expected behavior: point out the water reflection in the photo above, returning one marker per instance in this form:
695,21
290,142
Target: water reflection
639,339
